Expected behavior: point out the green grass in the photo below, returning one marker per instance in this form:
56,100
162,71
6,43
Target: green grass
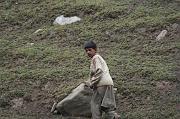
55,54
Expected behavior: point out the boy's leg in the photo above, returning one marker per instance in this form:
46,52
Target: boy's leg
110,115
96,105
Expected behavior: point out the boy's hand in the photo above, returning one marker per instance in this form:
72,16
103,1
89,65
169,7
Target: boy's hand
91,86
87,83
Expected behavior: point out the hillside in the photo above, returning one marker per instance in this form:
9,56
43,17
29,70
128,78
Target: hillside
41,62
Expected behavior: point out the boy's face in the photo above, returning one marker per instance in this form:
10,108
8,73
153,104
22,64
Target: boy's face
90,52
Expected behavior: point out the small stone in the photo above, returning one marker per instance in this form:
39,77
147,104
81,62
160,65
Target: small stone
175,26
115,90
47,86
161,35
148,98
30,44
39,30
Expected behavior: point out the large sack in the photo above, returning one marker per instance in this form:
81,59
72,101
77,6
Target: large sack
77,103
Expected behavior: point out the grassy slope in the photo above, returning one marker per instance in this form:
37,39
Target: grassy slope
125,30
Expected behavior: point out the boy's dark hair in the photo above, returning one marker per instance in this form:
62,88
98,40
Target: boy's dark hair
90,44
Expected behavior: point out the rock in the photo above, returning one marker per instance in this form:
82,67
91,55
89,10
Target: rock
61,20
30,44
115,90
175,26
77,103
148,98
107,33
39,30
161,35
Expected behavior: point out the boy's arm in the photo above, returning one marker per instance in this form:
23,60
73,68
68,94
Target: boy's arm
96,77
98,73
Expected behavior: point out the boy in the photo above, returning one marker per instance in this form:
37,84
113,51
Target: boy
103,99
